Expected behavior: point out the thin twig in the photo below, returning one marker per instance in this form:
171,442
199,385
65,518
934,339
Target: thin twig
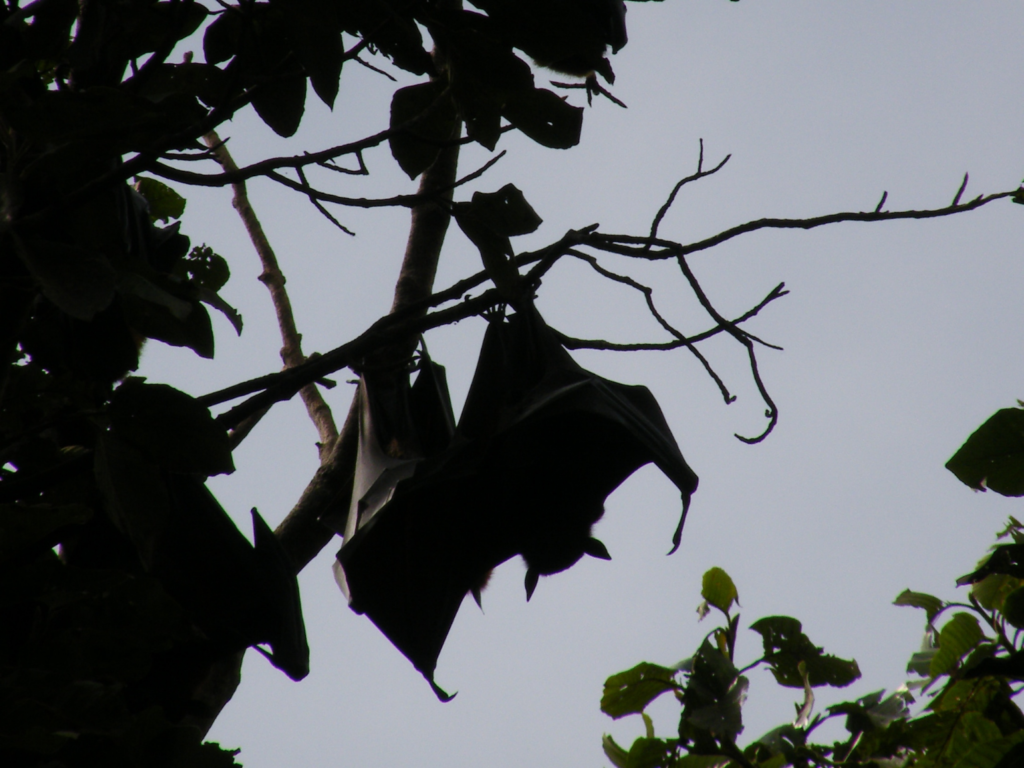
319,206
671,250
772,412
272,277
570,342
372,68
648,294
700,174
960,192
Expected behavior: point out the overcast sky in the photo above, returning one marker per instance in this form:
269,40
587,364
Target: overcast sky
900,339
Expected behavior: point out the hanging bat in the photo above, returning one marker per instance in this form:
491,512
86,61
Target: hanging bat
237,593
540,445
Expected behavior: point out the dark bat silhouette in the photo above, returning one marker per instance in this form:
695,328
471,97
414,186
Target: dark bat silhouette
239,594
540,445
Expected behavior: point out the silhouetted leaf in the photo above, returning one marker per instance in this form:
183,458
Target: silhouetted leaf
79,282
314,33
158,314
505,212
418,147
993,457
281,102
204,267
24,525
170,428
545,117
785,646
220,41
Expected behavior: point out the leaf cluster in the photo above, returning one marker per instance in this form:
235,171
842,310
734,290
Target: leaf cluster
968,670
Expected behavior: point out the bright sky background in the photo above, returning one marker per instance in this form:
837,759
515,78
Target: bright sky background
900,339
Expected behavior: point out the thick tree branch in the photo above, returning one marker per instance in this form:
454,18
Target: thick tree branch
272,277
328,494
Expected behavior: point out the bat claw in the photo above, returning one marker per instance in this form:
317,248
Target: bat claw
440,692
596,548
531,583
475,591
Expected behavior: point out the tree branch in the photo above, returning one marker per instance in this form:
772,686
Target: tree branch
272,277
327,496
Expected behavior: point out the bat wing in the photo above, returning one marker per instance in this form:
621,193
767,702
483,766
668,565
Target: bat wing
540,445
409,568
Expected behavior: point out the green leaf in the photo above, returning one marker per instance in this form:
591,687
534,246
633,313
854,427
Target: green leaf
785,646
164,203
616,754
993,457
649,753
1013,608
921,662
718,590
545,117
932,605
434,119
629,692
702,761
1006,559
873,712
992,591
170,428
714,693
960,634
973,732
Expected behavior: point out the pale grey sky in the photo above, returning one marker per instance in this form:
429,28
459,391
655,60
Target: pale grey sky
900,338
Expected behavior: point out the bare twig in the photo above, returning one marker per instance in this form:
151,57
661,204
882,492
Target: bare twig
591,86
960,192
881,202
319,206
570,342
700,174
671,250
648,293
272,277
372,68
362,170
772,412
